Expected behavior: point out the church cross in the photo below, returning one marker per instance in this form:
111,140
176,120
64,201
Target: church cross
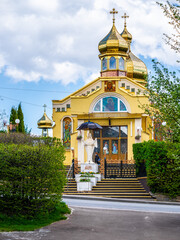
113,12
44,106
125,16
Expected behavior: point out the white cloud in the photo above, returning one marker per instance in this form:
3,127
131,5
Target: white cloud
2,62
68,72
92,77
19,75
58,41
43,5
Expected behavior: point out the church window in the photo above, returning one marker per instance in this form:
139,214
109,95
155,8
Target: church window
123,146
58,110
67,132
123,131
121,64
104,64
63,109
110,104
123,85
112,63
68,105
97,108
122,107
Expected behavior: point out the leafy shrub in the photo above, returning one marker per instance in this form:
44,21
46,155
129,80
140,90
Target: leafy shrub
139,150
162,165
31,177
85,180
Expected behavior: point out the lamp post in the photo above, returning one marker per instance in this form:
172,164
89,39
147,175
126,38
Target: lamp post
164,124
17,121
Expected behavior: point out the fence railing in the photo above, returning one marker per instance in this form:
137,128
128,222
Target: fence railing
70,175
119,170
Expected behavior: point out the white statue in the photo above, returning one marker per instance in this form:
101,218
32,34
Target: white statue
90,144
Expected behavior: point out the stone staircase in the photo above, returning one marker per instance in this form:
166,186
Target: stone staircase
112,188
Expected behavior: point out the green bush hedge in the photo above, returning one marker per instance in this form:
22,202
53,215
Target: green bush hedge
162,165
31,177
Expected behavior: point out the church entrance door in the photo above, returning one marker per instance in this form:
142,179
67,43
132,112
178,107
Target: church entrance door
113,139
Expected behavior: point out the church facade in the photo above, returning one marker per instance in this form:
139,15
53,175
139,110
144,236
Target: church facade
112,100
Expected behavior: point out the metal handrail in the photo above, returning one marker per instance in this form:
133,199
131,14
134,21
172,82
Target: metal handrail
70,174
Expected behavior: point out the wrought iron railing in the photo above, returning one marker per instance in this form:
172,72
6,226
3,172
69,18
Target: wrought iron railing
70,175
119,170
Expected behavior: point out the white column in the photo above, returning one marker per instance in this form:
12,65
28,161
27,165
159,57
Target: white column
138,129
81,145
131,129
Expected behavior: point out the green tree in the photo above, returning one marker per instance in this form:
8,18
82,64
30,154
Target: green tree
13,115
163,91
172,12
21,127
32,173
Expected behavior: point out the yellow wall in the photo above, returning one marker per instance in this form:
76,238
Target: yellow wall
80,106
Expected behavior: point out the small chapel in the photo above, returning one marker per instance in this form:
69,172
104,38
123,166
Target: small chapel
112,101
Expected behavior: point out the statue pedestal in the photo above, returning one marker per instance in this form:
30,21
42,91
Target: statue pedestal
89,167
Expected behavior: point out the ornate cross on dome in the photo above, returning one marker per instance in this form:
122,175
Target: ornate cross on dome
125,16
44,106
113,12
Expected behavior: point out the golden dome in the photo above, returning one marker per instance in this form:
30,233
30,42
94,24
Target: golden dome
113,40
45,122
126,35
135,67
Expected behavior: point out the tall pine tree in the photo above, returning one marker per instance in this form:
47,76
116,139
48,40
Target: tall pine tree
13,115
21,127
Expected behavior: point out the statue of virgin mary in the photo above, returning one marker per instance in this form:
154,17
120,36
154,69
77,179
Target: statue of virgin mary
90,144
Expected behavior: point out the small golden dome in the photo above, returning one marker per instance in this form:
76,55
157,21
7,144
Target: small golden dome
113,40
45,121
135,67
126,35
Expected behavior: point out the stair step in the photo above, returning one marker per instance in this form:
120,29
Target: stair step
124,195
111,188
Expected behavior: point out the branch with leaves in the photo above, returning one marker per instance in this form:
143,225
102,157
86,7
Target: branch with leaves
163,92
172,12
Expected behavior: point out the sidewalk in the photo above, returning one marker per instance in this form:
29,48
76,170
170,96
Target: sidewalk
153,201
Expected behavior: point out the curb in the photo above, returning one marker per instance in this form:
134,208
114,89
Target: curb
119,200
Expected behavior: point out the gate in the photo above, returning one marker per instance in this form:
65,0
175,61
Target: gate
119,170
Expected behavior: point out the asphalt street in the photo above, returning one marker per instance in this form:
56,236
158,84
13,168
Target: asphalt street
128,206
101,220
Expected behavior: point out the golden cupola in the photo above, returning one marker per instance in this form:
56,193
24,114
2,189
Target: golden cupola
125,34
113,42
113,52
135,67
45,123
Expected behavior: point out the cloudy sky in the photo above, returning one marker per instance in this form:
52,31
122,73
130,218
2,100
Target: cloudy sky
49,48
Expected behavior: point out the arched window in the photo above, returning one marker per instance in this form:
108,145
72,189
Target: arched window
110,104
67,132
104,64
97,108
121,64
112,63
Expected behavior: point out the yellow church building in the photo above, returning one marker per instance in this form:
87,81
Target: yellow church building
112,100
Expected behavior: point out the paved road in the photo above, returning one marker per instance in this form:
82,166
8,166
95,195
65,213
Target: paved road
129,206
89,223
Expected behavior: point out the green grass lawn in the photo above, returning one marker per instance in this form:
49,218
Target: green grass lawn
14,223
